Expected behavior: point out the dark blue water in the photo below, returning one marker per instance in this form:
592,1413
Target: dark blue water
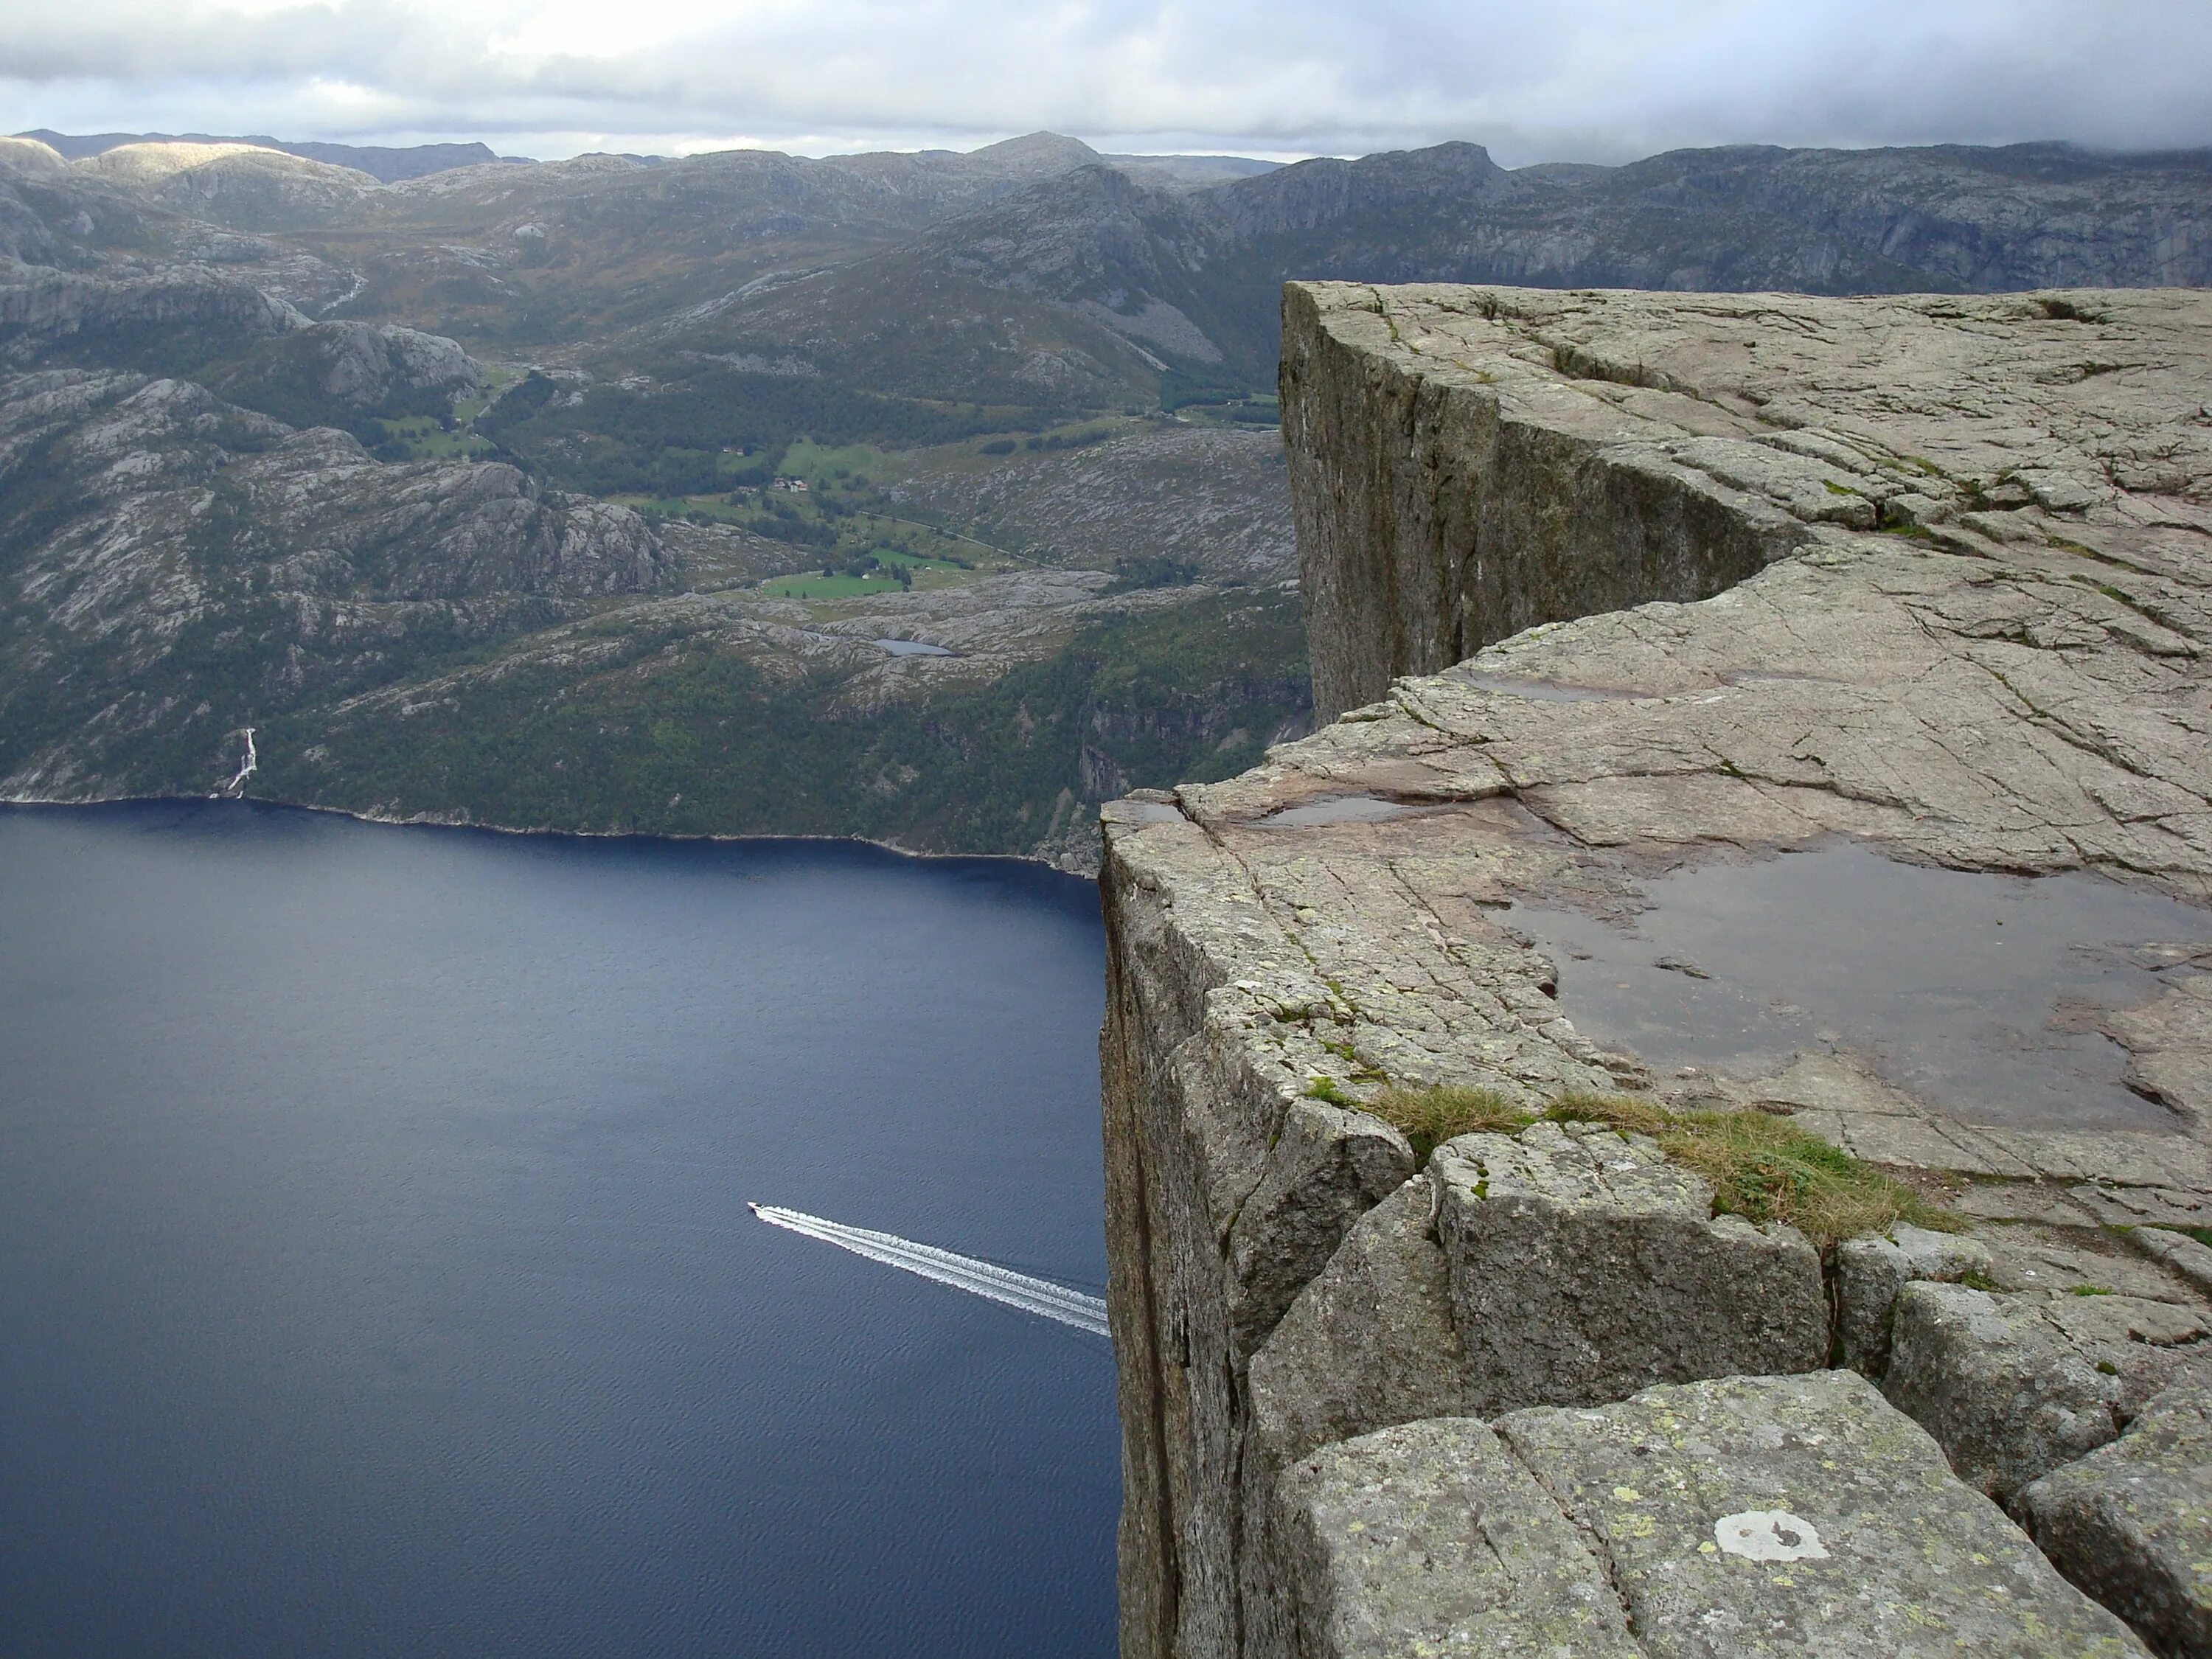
375,1276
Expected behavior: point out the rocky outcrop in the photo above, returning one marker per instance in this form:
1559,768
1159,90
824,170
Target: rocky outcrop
32,156
1555,1241
1870,1273
1434,1538
367,365
1798,1514
1930,576
183,553
244,186
245,343
195,313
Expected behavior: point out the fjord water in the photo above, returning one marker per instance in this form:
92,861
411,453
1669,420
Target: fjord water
375,1275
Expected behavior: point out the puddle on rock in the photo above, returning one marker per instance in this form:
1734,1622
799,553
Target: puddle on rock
1146,812
913,648
1339,809
1975,992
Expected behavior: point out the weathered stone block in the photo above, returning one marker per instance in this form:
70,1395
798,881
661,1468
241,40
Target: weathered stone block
2013,1386
1370,1344
1431,1539
1799,1515
1327,1168
2131,1523
1871,1272
1584,1266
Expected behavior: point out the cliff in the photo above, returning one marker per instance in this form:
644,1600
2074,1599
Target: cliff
1769,610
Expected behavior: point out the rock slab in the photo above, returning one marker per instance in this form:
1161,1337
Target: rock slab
1799,1515
2131,1523
1585,1266
1432,1539
2013,1386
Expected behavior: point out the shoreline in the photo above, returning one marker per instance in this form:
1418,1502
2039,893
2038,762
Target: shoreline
428,821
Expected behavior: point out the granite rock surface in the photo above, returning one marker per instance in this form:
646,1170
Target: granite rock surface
2013,1386
2131,1523
1604,587
1584,1265
1798,1515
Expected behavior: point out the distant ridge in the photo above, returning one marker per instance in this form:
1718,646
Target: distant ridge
388,163
1039,154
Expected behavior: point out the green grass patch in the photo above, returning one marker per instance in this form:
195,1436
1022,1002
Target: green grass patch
1765,1168
1762,1167
424,438
845,582
839,586
1428,1117
914,561
817,462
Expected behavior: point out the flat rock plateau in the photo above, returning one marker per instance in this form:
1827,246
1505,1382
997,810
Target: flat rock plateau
1834,638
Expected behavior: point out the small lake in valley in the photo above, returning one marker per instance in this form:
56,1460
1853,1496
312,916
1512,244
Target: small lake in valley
375,1270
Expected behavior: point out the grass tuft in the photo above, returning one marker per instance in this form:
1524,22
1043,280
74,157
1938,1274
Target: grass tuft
1428,1117
1766,1168
1762,1168
1623,1112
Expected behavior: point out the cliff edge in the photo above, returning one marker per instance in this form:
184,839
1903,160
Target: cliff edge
1713,677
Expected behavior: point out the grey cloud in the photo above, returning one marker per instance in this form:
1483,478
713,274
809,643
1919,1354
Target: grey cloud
1583,79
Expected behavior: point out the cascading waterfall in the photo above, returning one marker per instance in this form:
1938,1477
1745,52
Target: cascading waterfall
1002,1285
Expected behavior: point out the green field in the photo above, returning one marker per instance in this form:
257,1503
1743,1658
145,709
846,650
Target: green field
427,440
819,586
813,585
815,462
676,507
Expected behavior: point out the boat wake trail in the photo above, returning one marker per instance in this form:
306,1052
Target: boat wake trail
1033,1296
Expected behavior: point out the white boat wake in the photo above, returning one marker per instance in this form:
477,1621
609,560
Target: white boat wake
1033,1296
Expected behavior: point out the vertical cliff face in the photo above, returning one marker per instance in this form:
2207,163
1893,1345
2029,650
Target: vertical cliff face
1933,576
1439,512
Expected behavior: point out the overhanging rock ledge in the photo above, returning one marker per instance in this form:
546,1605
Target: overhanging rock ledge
1603,588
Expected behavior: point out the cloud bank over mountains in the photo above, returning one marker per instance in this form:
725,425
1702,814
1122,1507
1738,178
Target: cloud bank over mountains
1579,80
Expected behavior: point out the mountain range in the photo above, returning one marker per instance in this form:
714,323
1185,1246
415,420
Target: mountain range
394,461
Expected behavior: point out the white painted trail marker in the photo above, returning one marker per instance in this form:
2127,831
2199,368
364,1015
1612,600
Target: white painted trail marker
1769,1536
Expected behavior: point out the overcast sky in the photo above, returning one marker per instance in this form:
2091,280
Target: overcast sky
1542,80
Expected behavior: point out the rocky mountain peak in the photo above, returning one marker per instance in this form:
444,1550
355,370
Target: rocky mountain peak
30,155
1037,154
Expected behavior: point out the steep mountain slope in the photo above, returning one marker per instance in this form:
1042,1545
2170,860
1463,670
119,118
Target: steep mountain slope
172,567
928,496
1936,220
